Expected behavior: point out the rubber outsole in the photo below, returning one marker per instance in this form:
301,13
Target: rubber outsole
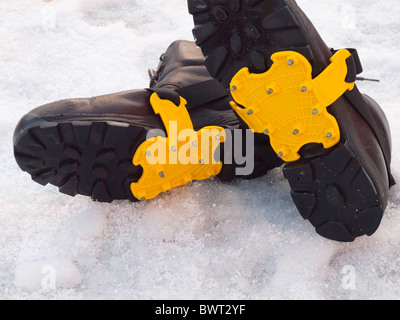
80,157
233,34
335,193
95,158
330,188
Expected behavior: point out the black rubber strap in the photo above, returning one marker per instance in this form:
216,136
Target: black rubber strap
196,95
354,66
202,93
167,94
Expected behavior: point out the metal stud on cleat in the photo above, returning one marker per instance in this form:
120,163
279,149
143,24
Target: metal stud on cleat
161,177
295,102
234,88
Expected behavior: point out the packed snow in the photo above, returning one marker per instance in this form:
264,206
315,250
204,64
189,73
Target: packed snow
239,240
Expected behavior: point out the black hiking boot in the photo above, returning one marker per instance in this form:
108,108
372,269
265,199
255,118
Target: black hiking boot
287,84
88,146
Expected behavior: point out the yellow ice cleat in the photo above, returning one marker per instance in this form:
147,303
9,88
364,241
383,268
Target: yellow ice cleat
182,157
290,106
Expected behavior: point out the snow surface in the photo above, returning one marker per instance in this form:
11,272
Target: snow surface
240,240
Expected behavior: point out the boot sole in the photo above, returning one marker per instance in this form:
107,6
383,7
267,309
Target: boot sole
231,37
336,194
94,158
333,189
80,157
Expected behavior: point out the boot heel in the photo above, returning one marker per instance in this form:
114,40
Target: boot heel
335,193
91,158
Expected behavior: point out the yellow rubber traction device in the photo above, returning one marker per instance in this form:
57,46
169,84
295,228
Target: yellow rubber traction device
182,157
288,105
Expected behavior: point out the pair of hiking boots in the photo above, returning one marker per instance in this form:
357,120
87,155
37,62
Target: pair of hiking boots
259,89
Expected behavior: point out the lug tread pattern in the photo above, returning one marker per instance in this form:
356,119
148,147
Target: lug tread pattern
82,157
233,34
335,193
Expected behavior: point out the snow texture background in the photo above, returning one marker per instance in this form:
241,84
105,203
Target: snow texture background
239,240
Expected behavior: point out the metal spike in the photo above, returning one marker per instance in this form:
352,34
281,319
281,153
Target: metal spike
161,174
367,79
290,62
234,88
